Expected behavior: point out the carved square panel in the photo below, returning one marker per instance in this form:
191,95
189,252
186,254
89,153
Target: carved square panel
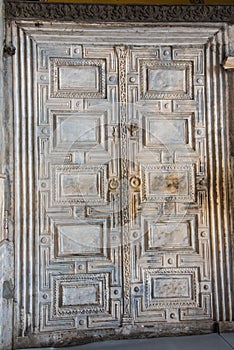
78,130
83,238
167,130
79,184
80,294
170,233
166,79
77,78
172,182
171,288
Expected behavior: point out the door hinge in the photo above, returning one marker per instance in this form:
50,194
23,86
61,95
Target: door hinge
9,49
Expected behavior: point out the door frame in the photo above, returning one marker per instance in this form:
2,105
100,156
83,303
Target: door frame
220,133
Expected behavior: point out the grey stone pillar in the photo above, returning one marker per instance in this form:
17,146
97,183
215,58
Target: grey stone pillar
6,247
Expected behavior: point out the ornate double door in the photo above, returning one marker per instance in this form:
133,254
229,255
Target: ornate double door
113,181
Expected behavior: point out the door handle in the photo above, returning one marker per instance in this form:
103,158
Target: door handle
133,128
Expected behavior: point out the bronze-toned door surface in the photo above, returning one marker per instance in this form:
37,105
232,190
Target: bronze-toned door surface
113,182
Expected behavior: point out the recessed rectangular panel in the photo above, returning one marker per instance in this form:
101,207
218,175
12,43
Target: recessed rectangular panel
169,234
161,182
165,79
77,78
173,131
80,239
166,131
171,287
78,130
79,184
168,183
79,295
83,184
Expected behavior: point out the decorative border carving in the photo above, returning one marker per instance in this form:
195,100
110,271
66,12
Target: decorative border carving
173,302
99,171
56,63
148,64
122,53
80,279
119,13
188,169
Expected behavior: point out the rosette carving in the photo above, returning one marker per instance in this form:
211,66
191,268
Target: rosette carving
113,184
135,182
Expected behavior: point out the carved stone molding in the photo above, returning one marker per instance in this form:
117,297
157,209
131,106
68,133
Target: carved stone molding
119,13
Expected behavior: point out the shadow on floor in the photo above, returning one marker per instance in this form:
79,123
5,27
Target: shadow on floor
224,341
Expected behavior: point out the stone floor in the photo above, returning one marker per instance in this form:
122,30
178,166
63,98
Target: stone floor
224,341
